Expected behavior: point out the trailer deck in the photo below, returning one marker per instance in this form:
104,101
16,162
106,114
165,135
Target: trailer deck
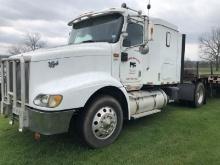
213,79
210,80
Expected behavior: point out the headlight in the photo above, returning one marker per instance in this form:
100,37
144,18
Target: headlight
50,101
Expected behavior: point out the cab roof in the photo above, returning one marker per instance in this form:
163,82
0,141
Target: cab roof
123,11
88,15
158,21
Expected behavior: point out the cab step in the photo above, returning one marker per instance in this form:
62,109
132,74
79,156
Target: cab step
139,115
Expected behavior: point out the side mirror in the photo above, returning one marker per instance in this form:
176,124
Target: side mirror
126,43
144,49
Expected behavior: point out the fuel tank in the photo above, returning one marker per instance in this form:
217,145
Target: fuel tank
143,101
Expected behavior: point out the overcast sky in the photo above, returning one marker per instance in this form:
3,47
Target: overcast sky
50,18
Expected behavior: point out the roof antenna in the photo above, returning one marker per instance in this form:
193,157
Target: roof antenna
148,8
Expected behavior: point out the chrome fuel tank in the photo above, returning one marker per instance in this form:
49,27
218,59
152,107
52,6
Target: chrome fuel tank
143,101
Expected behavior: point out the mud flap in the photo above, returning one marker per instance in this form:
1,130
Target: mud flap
186,91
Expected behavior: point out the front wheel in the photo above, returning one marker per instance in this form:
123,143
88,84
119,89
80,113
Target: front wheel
101,122
199,96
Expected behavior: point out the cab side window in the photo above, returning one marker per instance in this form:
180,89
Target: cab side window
135,35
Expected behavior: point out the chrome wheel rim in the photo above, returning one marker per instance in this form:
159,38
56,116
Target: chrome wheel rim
104,123
200,95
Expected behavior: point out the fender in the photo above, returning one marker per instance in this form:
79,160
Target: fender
76,89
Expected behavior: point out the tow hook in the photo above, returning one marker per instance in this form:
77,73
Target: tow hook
37,136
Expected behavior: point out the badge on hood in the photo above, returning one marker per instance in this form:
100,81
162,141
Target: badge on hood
52,64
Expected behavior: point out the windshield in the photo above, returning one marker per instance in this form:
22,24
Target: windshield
100,29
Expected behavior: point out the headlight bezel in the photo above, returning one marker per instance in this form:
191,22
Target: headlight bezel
48,100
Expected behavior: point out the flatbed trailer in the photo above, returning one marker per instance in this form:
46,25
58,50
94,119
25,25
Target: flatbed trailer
210,80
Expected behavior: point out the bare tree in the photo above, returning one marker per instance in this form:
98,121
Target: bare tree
210,46
31,42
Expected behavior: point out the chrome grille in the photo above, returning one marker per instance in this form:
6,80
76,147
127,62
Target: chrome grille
18,81
15,87
8,79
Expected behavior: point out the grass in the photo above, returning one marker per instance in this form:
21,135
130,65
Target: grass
208,71
179,135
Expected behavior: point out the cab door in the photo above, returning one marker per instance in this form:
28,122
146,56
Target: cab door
132,60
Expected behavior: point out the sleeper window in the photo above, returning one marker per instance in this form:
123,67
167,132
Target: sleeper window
168,39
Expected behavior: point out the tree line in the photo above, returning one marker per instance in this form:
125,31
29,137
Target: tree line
30,42
209,44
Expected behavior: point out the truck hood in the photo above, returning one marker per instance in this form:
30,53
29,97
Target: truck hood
77,50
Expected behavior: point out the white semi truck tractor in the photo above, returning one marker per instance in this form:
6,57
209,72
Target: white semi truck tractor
118,65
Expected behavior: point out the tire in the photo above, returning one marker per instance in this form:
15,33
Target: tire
199,95
101,122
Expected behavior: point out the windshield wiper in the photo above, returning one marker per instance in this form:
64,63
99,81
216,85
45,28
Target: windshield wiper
88,41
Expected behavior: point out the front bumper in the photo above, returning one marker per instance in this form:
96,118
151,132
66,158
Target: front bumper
49,123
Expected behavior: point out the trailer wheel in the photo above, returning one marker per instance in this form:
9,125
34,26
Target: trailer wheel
199,95
101,122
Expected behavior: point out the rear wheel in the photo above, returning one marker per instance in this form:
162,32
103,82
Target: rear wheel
199,95
101,122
